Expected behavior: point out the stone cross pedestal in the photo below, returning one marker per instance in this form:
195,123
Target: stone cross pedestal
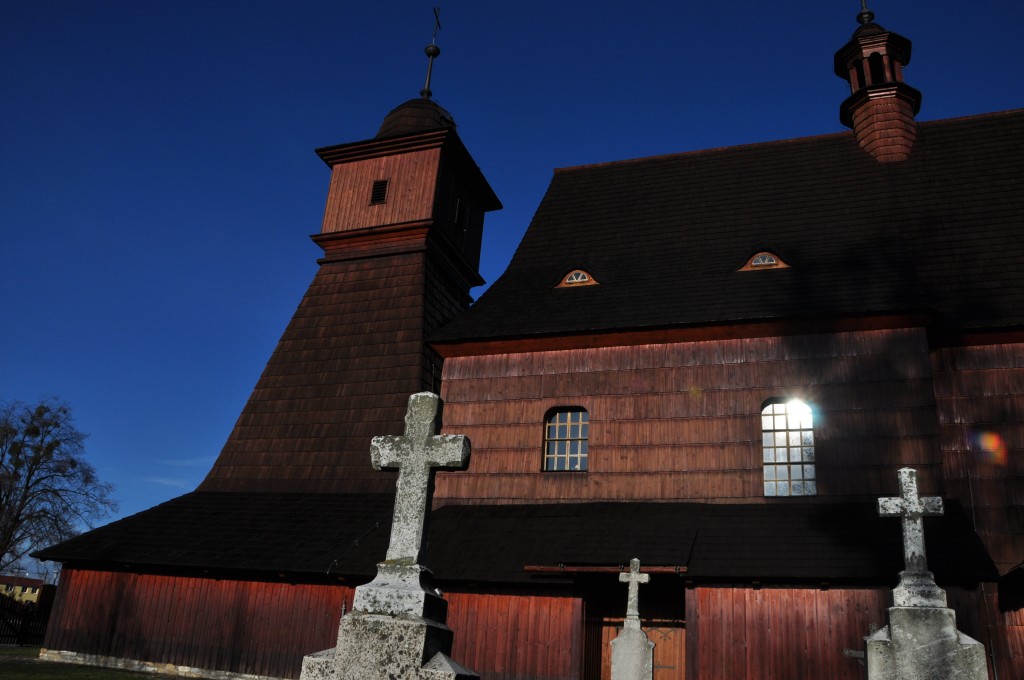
921,641
632,650
396,629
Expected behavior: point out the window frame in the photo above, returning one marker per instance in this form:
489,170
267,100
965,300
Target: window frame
787,429
566,440
576,278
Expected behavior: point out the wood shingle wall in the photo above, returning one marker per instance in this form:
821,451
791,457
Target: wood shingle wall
340,375
682,421
980,394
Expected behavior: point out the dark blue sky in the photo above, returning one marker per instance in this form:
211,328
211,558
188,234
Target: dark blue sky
159,183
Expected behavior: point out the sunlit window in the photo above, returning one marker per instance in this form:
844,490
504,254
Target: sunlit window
787,435
566,431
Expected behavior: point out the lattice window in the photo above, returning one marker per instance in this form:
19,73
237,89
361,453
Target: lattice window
566,431
577,277
764,260
787,431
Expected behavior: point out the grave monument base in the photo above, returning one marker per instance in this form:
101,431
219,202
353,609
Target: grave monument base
922,643
395,630
632,655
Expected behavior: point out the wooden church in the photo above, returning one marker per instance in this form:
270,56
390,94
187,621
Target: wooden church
714,362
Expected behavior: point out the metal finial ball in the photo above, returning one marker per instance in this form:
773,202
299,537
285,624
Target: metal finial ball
866,17
432,51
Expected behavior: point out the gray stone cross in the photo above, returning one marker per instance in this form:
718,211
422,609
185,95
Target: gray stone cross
911,508
634,578
416,454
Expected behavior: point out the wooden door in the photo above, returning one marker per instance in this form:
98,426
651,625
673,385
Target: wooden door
668,636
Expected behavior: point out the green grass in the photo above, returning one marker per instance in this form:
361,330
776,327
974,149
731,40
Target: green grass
21,663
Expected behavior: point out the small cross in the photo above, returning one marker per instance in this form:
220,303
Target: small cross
416,454
911,508
634,578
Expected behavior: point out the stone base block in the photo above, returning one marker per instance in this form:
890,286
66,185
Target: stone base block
381,647
319,666
922,643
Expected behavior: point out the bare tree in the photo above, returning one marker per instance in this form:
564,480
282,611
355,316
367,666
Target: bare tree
48,491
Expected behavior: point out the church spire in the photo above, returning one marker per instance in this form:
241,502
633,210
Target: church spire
423,113
433,52
881,107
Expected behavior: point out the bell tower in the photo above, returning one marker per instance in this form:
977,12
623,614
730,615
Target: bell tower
401,239
881,107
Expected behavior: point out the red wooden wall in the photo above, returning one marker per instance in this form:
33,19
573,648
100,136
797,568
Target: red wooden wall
681,420
240,626
509,637
780,634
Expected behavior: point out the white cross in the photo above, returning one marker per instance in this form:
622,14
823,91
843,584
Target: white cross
416,454
634,578
911,508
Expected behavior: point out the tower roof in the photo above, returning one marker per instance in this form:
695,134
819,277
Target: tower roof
415,115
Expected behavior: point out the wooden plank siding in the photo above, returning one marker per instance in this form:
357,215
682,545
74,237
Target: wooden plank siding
517,637
251,627
682,421
797,634
779,634
412,181
980,396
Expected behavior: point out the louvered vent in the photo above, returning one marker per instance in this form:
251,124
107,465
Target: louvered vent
379,192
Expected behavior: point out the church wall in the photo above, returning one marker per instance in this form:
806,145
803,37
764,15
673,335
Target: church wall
681,421
517,637
252,627
780,633
802,633
980,395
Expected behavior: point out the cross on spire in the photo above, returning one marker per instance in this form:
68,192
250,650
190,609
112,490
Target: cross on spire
416,454
634,578
911,508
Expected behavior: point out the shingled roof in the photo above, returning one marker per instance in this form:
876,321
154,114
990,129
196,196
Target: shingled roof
325,535
941,233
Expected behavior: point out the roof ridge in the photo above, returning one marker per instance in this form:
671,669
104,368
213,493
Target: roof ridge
774,142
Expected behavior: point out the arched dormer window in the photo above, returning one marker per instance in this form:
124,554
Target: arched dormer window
787,436
577,277
566,434
764,260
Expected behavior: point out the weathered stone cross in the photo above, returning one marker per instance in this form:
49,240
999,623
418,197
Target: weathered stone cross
634,578
416,454
911,508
